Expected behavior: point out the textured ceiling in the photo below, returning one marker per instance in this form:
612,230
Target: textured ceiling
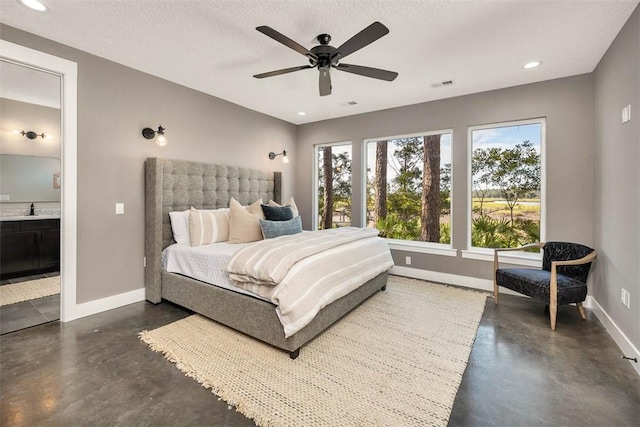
212,45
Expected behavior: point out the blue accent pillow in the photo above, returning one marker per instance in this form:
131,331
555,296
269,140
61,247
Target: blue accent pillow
277,213
271,229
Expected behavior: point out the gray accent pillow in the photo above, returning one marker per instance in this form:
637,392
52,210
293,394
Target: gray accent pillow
277,213
271,229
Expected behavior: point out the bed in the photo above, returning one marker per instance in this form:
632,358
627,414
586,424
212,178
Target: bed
177,185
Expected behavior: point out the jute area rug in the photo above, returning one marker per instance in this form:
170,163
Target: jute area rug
32,289
396,360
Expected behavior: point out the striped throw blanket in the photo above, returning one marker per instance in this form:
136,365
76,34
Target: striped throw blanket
303,273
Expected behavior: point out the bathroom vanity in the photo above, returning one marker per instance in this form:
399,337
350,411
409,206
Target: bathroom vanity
29,245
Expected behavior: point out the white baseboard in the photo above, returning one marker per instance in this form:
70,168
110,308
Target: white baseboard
627,348
588,303
104,304
451,279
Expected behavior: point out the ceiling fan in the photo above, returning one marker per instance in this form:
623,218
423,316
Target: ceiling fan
325,57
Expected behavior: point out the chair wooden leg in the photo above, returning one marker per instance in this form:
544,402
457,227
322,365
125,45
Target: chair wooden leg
495,292
553,297
553,311
581,310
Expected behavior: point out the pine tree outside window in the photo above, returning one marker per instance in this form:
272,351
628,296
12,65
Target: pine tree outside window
332,204
408,187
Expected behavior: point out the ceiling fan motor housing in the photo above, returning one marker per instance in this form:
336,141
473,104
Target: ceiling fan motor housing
323,53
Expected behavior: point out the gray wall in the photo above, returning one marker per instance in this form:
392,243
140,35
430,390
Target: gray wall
114,104
567,105
617,179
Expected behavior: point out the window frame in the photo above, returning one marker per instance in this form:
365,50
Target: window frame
316,174
432,248
486,254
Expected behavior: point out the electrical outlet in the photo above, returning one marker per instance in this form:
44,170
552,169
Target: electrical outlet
626,114
4,198
625,298
119,208
407,260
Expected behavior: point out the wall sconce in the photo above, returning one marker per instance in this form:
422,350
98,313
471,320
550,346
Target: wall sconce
285,159
161,139
29,134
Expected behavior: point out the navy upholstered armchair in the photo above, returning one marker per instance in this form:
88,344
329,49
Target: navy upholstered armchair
562,280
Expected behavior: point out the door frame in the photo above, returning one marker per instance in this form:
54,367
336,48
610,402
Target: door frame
68,72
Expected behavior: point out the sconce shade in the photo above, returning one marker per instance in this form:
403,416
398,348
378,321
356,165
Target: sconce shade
161,139
285,158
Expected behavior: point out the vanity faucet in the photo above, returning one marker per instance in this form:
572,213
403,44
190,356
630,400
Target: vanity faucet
32,211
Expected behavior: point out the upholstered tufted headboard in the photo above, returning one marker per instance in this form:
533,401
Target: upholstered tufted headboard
177,185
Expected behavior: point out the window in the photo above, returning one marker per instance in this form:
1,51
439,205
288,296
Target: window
506,183
409,187
333,196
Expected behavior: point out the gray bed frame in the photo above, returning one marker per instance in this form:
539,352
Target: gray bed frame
176,185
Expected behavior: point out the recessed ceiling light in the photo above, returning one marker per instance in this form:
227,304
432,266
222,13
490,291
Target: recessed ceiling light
302,113
34,4
532,64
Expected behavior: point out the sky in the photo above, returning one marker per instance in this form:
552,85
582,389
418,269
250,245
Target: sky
507,137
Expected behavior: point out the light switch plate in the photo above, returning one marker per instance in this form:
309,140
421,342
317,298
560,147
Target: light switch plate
119,208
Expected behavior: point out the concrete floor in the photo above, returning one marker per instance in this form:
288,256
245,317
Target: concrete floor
96,372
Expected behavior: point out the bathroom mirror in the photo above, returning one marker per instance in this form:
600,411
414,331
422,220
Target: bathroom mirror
29,178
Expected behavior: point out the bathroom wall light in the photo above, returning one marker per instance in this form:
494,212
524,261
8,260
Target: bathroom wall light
161,139
29,134
285,158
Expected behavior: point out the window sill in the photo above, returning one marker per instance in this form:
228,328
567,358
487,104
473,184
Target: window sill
423,248
519,258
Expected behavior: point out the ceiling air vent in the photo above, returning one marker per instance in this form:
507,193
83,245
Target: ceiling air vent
441,84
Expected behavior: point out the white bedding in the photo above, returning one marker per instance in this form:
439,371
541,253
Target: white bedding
205,263
302,274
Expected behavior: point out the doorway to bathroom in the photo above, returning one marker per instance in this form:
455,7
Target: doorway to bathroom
30,196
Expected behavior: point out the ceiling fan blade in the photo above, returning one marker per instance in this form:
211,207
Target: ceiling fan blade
270,32
283,71
325,81
375,73
367,36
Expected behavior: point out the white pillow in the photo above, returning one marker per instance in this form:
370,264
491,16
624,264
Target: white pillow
291,203
208,226
180,226
244,226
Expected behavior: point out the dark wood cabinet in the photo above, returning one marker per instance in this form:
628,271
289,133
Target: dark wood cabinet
49,253
29,247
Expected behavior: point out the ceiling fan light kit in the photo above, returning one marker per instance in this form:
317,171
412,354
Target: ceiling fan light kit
324,57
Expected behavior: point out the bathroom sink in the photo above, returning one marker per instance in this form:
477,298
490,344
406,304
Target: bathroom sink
28,217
